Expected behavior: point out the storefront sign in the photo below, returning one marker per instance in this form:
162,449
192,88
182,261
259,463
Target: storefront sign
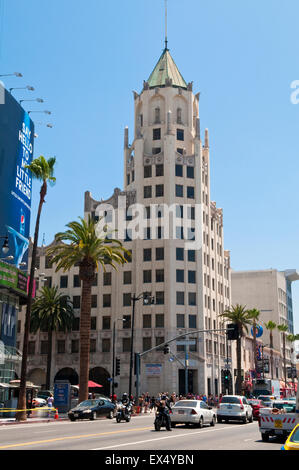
153,369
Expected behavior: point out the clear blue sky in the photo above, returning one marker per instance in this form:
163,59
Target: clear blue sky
85,58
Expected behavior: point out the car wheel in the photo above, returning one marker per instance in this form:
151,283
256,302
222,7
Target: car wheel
251,419
265,437
93,416
200,422
118,420
72,419
157,427
110,415
245,420
213,422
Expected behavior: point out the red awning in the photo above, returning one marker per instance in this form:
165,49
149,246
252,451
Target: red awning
92,384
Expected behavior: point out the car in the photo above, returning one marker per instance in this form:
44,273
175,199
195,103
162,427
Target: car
292,442
44,394
92,409
234,408
192,412
256,405
286,406
38,402
267,400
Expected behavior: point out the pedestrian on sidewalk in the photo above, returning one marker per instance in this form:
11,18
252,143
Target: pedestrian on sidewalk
50,401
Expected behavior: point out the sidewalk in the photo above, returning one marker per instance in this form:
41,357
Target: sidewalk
8,421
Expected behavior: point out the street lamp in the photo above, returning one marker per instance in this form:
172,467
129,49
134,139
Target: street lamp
45,124
147,300
113,353
45,112
28,87
16,74
5,246
38,100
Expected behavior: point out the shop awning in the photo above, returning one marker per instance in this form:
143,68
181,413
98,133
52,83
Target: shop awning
92,384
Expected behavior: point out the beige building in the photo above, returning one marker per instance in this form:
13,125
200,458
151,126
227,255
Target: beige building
186,270
270,292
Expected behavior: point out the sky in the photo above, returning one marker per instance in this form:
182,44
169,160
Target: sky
85,59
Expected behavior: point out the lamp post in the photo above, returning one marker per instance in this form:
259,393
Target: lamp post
45,112
147,299
16,74
28,87
113,354
5,246
38,100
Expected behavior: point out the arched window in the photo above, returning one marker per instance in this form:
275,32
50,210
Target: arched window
157,115
179,116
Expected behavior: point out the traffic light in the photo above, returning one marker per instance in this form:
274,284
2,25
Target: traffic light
226,377
117,366
166,349
232,331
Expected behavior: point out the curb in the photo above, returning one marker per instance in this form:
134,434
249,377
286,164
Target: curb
52,420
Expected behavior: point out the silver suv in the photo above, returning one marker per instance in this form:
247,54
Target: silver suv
234,408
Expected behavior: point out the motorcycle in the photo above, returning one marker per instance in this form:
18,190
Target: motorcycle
124,413
160,421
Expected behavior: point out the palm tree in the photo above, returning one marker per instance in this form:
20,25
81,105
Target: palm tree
42,170
271,326
284,328
239,315
88,249
254,315
292,338
51,311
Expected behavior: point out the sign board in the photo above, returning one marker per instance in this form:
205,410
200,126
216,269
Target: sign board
13,278
153,370
186,342
62,395
8,325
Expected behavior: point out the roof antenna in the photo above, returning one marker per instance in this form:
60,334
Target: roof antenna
166,42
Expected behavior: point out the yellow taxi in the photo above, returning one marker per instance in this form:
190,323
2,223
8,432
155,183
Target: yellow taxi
292,442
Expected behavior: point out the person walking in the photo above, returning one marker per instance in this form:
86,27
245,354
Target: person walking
50,401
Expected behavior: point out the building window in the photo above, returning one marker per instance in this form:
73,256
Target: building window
181,151
191,255
147,233
147,276
63,282
147,254
191,277
127,299
94,301
106,300
61,346
93,345
106,323
192,321
160,170
179,275
75,346
192,298
147,192
159,275
190,192
159,340
126,344
159,233
127,277
93,323
76,301
48,262
159,190
44,347
191,213
147,321
180,320
126,322
179,212
178,170
180,134
180,298
107,279
156,150
179,232
31,347
180,254
160,320
190,172
146,344
147,212
179,190
77,282
106,345
147,171
157,134
128,179
179,116
159,298
48,282
157,116
95,280
76,324
159,254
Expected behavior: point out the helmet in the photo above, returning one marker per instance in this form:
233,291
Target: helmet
125,395
164,397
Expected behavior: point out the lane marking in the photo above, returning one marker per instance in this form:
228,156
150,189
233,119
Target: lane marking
167,437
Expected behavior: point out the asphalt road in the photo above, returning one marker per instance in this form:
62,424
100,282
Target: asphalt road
139,434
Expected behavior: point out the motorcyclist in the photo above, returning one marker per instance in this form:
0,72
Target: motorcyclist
126,404
163,407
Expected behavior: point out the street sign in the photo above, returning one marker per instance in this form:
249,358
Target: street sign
186,342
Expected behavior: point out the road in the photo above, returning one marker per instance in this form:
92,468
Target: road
139,434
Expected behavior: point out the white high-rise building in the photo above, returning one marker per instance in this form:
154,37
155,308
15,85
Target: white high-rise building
166,173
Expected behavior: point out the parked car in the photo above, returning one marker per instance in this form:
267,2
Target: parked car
92,409
256,405
292,442
192,412
234,408
44,394
38,402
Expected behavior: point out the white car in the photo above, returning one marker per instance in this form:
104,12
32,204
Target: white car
192,412
234,408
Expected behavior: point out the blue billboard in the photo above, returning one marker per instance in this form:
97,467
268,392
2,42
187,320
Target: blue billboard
16,151
8,325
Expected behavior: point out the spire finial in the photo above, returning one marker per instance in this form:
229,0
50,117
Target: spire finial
166,42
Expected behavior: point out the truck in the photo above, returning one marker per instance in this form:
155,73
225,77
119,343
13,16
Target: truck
280,419
266,387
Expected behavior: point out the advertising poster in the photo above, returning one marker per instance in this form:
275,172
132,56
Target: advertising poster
16,151
8,325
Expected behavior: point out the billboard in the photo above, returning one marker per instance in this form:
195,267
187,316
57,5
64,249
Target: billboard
16,151
8,325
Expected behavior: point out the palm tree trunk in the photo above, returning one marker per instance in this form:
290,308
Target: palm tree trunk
85,339
284,360
49,359
21,416
271,353
254,347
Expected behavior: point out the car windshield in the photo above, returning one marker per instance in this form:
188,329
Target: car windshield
230,400
188,403
288,407
295,436
85,403
254,402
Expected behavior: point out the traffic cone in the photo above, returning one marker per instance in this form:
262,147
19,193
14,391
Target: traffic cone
56,414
